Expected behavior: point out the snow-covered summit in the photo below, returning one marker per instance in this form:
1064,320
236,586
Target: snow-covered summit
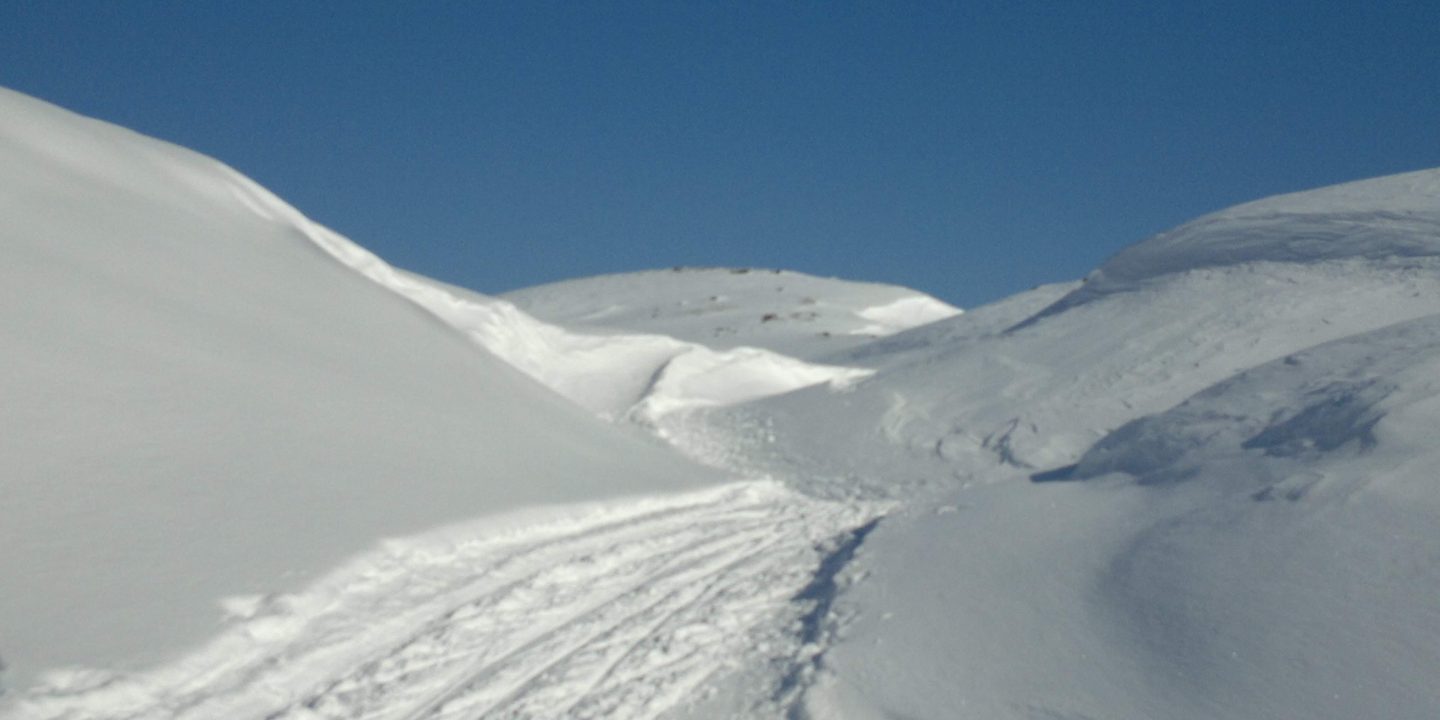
1386,219
787,312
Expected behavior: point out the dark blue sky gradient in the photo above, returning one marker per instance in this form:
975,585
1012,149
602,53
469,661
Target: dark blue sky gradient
970,150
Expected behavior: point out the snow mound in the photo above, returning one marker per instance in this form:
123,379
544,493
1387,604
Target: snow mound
1386,219
903,314
787,312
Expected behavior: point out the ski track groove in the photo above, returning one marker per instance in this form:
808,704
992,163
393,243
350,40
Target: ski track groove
533,677
559,630
450,621
623,616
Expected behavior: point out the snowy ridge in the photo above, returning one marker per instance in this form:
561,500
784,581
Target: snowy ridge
786,312
616,376
638,377
1386,219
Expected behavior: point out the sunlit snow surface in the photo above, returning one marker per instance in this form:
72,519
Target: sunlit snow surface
1200,484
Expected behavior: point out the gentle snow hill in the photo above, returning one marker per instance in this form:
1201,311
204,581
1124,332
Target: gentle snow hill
1300,513
1381,219
964,398
619,376
201,402
1292,574
786,312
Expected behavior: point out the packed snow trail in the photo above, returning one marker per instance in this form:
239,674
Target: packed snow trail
625,611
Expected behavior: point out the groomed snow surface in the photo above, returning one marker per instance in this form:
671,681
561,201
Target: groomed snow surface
252,471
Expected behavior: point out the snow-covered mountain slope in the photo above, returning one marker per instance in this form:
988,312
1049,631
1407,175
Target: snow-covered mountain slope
790,313
200,402
1276,558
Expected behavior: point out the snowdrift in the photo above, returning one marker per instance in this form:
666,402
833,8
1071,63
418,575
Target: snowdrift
200,402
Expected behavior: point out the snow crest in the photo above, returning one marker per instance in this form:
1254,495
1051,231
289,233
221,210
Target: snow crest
640,376
1386,220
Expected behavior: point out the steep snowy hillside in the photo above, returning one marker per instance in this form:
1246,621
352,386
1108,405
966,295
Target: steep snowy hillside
200,402
788,312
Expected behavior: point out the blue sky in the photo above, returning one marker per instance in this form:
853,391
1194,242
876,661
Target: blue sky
970,149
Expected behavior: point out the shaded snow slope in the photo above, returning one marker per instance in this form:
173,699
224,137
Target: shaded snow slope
787,312
200,402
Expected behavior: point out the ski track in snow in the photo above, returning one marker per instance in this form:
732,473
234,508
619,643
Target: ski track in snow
625,615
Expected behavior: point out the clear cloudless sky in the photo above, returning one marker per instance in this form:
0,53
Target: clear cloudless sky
968,149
